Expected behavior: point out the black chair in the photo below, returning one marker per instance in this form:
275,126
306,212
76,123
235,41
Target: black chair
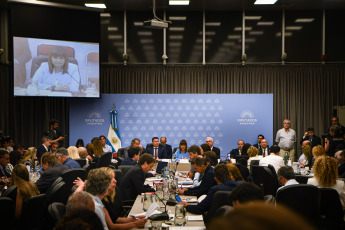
11,192
252,163
331,210
301,179
7,217
303,199
264,178
125,169
31,210
273,170
222,211
87,168
69,175
81,161
118,176
59,193
104,160
220,198
56,210
121,153
58,180
237,158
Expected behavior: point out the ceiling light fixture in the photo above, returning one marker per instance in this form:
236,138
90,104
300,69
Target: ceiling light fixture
293,28
304,20
265,2
96,5
177,18
179,2
252,17
212,24
267,23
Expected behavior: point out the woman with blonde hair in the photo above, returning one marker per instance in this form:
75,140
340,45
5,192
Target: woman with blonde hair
253,154
306,157
318,151
25,188
29,156
326,176
97,148
235,173
73,152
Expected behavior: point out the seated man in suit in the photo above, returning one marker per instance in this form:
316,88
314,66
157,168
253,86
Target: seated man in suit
209,141
286,176
156,150
224,183
167,147
237,152
133,182
63,158
133,156
259,145
135,144
264,148
309,135
52,170
202,166
43,148
273,159
4,174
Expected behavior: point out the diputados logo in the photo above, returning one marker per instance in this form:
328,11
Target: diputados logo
94,118
247,118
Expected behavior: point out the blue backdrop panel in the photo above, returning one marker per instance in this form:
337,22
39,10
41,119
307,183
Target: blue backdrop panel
226,118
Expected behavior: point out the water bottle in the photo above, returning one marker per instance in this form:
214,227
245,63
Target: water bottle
298,169
173,158
286,158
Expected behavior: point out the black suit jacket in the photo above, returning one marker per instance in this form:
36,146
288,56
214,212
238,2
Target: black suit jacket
133,183
49,176
314,141
40,151
168,149
260,149
162,152
217,151
234,152
207,182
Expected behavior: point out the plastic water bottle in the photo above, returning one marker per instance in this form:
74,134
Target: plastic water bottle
298,169
286,158
173,158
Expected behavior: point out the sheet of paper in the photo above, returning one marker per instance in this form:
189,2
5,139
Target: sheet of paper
154,179
195,218
151,209
201,198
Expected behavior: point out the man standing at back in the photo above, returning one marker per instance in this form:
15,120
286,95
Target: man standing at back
156,150
286,139
133,182
43,148
53,133
209,141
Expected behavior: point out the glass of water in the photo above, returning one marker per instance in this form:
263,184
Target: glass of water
180,215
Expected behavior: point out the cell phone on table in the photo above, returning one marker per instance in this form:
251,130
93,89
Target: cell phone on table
178,198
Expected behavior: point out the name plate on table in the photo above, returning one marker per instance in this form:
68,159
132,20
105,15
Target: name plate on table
184,161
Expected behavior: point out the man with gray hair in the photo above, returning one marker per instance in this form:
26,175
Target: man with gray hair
286,139
79,201
63,158
209,141
286,176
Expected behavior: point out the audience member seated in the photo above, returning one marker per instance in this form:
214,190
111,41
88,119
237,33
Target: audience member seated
326,176
106,148
242,166
235,174
224,183
335,142
81,219
80,200
245,148
19,148
212,158
4,175
245,193
168,148
83,153
5,144
133,156
80,143
133,182
73,152
43,148
97,149
181,152
156,150
52,170
286,176
204,148
15,158
29,156
202,166
54,146
25,188
317,151
340,156
134,143
63,158
309,135
194,151
238,151
253,154
260,216
258,145
216,150
306,158
273,159
90,149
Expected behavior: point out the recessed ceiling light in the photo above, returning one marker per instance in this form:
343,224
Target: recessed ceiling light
293,27
212,24
234,36
175,44
144,33
176,28
257,32
105,15
267,23
240,28
304,20
177,18
252,17
138,23
208,33
96,5
176,37
287,34
113,28
146,41
265,2
179,2
115,37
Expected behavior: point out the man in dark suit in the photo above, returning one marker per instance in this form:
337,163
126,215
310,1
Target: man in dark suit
309,135
209,141
133,182
258,145
167,147
201,165
133,156
43,148
4,160
237,152
52,170
156,150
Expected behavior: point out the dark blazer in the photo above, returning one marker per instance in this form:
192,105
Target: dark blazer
217,151
162,152
205,204
49,176
128,161
133,183
206,183
315,140
234,152
168,149
341,170
260,149
40,151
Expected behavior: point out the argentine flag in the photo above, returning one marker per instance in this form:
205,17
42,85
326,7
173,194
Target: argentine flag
113,138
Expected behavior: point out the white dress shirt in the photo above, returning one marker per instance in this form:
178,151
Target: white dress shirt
276,161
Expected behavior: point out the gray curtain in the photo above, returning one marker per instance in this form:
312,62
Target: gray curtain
305,94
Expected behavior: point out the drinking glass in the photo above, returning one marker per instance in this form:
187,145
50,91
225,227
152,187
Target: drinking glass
180,215
147,201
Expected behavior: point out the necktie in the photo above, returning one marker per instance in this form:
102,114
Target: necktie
155,153
263,152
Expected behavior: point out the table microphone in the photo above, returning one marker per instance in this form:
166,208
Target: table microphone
161,216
